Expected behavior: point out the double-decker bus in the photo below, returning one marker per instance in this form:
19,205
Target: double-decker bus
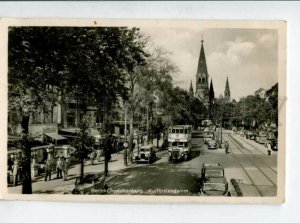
179,139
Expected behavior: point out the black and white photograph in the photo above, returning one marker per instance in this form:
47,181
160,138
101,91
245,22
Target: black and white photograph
183,111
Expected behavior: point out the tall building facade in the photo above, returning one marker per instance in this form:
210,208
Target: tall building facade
202,91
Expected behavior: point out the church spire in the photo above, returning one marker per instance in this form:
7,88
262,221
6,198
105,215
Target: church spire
202,68
191,91
227,91
211,100
202,88
211,91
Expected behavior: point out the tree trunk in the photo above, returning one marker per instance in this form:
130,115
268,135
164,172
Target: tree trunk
26,167
81,170
151,120
148,129
130,140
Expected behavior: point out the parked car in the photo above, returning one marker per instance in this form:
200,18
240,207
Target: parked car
249,135
272,141
213,181
261,137
212,144
146,154
207,137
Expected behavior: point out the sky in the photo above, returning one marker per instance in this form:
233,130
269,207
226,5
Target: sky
248,57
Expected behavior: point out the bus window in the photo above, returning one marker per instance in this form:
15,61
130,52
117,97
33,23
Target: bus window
180,144
173,130
185,131
177,130
181,130
174,143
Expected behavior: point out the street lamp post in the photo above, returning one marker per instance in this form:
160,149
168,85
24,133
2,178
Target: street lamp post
125,152
221,138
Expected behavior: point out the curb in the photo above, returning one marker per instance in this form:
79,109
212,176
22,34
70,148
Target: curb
237,188
102,184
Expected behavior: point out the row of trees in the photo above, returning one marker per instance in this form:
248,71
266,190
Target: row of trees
48,64
250,112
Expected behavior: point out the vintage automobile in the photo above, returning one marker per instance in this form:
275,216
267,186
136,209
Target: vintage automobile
65,151
146,154
249,135
272,141
208,137
180,151
213,181
261,137
212,144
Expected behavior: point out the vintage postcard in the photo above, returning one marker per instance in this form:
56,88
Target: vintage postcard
175,111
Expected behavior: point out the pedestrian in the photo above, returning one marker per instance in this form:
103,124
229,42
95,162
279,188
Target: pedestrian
226,147
92,157
15,172
107,153
125,156
99,154
65,168
120,145
59,164
48,169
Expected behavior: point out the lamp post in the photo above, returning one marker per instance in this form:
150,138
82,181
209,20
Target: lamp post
221,140
125,152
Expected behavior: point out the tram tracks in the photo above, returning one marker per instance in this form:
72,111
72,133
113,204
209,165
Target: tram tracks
267,164
247,170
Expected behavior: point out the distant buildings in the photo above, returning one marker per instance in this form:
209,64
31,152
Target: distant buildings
63,118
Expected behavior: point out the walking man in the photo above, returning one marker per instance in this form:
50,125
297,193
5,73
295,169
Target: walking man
15,171
59,164
99,153
48,169
92,157
226,147
65,168
107,152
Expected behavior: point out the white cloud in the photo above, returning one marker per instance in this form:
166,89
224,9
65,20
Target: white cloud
248,58
267,40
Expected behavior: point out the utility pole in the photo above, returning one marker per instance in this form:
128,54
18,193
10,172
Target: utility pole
148,130
125,127
221,140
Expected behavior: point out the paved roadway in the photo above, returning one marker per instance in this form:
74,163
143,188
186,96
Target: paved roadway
246,162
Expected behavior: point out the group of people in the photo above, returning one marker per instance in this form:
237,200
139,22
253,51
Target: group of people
61,168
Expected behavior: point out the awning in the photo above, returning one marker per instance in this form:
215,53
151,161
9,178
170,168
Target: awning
70,130
14,138
55,136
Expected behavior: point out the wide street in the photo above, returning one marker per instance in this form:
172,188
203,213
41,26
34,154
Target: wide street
247,163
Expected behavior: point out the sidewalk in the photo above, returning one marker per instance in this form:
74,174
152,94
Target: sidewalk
59,186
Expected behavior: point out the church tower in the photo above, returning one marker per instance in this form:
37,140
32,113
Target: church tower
227,92
202,91
211,99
